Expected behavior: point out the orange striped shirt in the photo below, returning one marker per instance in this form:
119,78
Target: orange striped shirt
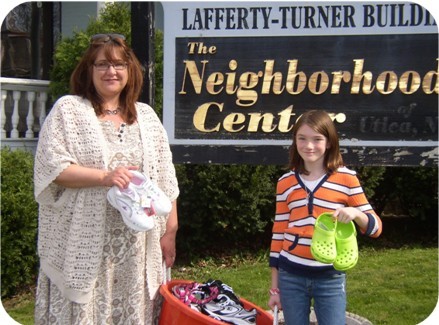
297,208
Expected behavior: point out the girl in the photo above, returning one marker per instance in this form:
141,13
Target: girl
317,182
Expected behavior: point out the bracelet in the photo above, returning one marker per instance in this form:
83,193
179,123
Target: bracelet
274,292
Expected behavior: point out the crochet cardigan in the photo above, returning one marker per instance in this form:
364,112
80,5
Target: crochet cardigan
72,220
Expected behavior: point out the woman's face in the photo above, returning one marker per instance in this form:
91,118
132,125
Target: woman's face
109,77
311,145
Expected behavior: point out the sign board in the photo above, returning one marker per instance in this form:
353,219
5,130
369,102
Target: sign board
238,74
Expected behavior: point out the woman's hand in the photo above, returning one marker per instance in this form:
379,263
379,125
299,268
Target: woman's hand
167,243
120,177
76,176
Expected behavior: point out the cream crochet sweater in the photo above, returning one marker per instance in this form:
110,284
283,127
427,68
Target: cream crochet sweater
72,221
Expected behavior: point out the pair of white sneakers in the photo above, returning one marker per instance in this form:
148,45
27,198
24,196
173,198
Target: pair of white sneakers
139,202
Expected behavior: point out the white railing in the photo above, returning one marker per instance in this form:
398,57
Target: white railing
23,110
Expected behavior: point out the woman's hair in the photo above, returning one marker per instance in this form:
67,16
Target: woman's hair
81,80
321,123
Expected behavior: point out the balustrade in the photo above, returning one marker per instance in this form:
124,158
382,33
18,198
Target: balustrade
23,110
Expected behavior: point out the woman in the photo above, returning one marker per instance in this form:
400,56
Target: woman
95,269
317,183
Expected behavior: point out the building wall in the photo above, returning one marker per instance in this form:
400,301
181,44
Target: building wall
76,16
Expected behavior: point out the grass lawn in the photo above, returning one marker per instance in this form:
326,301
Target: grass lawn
388,286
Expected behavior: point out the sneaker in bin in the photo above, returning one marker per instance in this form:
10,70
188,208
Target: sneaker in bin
227,307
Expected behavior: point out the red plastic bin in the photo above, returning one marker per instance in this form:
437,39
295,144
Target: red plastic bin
174,312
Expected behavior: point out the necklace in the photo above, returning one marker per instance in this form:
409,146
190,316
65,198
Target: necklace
112,112
308,195
310,187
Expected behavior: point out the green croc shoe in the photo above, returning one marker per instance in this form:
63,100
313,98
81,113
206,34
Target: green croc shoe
347,247
323,247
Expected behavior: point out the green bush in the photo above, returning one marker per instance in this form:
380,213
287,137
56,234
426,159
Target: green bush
371,178
225,207
416,191
410,199
19,218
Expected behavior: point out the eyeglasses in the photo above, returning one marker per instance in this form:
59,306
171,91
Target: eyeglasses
104,38
104,65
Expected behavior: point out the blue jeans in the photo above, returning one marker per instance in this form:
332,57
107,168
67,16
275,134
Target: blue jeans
329,294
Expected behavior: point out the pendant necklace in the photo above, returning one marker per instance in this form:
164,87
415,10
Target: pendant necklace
310,186
308,194
112,112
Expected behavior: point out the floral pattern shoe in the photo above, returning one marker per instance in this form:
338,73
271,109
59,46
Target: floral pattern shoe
128,203
152,197
323,247
347,247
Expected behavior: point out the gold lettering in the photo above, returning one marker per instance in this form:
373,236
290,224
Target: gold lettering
199,119
359,76
234,119
194,75
270,78
285,118
215,79
256,118
231,76
245,95
247,88
318,82
236,122
293,86
336,81
427,83
387,82
409,82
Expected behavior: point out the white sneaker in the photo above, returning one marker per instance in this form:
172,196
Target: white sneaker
127,201
152,197
139,202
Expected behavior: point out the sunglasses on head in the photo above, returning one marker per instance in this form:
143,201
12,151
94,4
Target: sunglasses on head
104,38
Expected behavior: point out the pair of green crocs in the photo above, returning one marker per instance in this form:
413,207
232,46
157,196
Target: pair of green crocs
334,242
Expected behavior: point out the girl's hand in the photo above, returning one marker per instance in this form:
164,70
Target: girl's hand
274,301
347,214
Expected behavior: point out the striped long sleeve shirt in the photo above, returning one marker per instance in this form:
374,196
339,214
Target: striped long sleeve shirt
297,209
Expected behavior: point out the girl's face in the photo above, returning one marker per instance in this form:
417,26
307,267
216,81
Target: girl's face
109,77
311,146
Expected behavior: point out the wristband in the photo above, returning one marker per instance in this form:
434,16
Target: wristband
274,292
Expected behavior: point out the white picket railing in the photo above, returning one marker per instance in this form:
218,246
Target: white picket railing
23,110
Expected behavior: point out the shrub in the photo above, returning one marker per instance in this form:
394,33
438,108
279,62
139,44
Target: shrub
371,178
225,207
19,218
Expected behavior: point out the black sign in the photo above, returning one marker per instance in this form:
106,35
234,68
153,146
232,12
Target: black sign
237,98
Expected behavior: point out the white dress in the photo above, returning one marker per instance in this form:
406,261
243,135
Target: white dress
120,295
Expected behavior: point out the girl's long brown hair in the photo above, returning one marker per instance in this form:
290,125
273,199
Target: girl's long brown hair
321,123
81,81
